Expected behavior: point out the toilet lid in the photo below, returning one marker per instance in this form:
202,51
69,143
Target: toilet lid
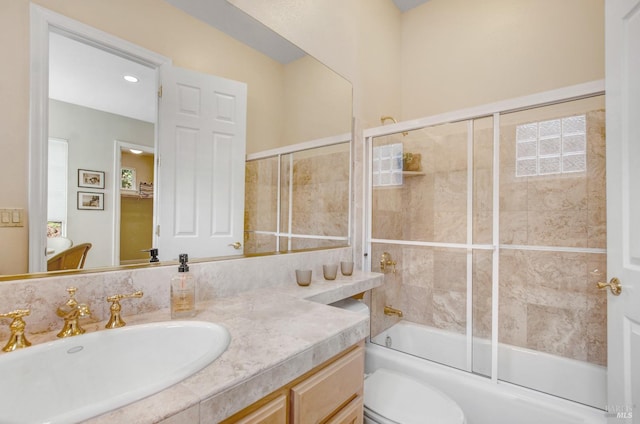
402,399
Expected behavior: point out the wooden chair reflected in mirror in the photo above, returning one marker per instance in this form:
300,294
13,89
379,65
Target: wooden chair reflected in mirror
72,258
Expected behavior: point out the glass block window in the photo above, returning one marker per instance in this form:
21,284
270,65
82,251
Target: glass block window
557,146
387,165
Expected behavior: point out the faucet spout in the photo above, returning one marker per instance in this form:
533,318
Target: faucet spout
71,312
388,310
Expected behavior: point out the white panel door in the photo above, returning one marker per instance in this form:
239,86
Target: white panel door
201,164
623,207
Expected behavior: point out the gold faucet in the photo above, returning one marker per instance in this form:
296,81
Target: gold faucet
388,310
385,261
17,339
71,312
115,320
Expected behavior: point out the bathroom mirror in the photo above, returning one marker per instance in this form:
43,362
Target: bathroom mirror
305,101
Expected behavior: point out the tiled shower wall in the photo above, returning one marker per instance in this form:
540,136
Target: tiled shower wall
547,300
320,195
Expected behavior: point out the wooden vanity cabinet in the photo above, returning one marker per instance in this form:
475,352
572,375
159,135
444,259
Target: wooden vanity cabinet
330,393
353,413
325,392
274,412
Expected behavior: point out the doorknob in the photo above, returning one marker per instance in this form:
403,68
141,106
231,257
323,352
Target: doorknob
614,285
237,245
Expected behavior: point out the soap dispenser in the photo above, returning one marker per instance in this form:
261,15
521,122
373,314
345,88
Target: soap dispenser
183,291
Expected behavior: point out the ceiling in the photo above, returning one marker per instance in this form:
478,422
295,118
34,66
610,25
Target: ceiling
405,5
229,19
91,77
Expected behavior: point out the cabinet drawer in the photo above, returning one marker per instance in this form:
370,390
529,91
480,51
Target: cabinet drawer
274,412
350,414
326,391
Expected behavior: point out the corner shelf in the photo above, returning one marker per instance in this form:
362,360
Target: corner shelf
412,173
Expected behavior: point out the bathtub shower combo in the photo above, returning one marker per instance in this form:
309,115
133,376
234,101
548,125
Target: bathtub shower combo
490,227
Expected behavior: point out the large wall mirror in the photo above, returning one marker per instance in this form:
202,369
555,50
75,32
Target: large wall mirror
100,159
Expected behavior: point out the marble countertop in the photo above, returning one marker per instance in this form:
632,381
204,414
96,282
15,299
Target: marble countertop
277,334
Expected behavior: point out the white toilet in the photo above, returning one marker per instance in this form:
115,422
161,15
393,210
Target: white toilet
391,397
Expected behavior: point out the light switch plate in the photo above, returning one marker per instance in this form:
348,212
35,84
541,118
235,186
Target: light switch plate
12,217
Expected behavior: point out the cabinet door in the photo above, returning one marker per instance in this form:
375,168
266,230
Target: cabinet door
325,392
350,414
274,412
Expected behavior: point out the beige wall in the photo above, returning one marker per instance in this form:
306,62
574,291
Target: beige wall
359,39
317,102
14,128
461,53
446,54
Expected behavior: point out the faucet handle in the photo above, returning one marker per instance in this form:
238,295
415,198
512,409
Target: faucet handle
385,260
115,321
17,314
72,302
17,326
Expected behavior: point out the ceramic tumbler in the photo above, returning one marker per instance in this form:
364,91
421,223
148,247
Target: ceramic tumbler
303,277
330,271
346,268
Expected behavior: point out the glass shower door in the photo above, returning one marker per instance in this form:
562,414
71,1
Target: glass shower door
497,243
430,216
552,319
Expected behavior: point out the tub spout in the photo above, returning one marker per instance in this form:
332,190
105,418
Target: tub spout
388,310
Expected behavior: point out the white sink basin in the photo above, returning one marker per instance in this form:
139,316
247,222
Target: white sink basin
76,378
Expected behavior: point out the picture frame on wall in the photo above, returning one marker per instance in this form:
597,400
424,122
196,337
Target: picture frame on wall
90,179
90,201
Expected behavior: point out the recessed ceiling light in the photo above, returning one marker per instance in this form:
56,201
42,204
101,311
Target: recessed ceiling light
135,151
131,78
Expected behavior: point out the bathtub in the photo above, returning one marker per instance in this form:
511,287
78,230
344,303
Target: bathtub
482,400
